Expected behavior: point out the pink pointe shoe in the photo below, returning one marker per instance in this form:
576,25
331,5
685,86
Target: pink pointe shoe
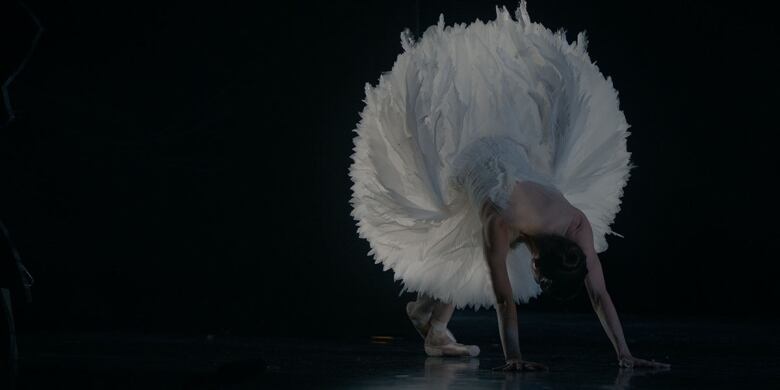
443,343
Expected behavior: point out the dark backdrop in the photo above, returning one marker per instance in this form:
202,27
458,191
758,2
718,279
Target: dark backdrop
182,166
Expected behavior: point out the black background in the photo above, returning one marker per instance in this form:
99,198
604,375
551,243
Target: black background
182,167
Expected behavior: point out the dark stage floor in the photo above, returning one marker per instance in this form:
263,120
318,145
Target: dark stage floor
704,354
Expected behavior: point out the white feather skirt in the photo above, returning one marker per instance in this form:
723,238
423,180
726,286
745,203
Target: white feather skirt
465,112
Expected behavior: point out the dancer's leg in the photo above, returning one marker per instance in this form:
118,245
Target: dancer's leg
440,341
440,317
426,313
441,314
423,306
419,313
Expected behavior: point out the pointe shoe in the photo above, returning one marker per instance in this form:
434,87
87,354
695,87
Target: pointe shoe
452,350
444,344
421,325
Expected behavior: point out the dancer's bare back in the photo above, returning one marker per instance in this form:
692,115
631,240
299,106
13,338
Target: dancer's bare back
536,209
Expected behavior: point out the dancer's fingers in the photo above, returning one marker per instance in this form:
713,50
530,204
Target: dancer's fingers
642,363
501,367
650,364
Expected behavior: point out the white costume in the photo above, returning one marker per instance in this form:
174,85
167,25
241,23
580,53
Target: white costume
464,112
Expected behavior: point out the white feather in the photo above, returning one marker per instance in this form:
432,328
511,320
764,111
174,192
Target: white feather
465,111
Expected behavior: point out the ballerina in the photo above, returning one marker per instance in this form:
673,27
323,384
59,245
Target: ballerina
481,138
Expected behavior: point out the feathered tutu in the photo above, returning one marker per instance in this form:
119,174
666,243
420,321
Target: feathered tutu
466,111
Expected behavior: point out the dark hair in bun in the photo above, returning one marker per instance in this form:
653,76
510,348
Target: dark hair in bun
560,265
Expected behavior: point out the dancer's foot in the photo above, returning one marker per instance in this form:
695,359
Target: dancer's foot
421,323
441,342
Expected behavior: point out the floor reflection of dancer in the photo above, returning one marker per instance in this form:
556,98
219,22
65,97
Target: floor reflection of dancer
441,372
483,137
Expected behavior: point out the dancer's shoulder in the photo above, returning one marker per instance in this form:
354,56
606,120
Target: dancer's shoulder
580,231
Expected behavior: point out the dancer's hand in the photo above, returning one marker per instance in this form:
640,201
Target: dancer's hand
628,361
521,365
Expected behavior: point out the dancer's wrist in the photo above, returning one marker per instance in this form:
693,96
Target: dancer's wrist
513,356
622,349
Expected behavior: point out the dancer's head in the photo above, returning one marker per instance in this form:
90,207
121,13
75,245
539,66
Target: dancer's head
559,265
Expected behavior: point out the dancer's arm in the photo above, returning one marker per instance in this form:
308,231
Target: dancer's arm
602,302
496,250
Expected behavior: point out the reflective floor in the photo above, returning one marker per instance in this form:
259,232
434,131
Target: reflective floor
703,353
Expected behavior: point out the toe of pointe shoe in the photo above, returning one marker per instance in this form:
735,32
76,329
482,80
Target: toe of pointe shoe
453,350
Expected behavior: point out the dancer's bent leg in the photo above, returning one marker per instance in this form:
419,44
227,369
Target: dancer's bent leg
440,341
420,312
